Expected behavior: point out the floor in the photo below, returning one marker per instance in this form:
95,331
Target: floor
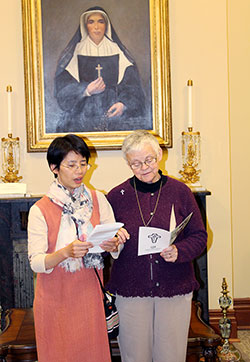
244,345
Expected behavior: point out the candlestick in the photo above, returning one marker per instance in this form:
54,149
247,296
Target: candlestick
191,158
190,84
9,91
226,352
10,148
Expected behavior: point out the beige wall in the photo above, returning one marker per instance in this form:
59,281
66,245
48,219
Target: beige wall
239,82
209,43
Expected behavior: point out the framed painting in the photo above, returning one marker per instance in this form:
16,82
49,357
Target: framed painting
99,72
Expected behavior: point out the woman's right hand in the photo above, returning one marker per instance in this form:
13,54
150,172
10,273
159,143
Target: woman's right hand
77,249
96,87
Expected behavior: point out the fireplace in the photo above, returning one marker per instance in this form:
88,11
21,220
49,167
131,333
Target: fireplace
22,275
16,277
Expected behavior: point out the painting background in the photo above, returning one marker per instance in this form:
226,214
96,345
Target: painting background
60,19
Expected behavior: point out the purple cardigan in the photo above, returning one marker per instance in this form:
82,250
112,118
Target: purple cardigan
151,275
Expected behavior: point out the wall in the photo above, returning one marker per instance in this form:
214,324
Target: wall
199,52
203,43
239,57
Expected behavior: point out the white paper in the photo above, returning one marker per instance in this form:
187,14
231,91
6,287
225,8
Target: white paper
102,233
179,228
154,240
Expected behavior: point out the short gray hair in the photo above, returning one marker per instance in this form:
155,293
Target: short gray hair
137,139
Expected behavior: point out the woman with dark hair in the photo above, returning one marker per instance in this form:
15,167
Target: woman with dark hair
69,316
97,83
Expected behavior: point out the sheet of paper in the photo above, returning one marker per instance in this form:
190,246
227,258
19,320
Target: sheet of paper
152,240
101,233
179,228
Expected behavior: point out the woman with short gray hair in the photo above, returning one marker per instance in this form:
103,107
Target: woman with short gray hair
154,290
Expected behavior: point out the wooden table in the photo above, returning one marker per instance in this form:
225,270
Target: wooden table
202,339
17,342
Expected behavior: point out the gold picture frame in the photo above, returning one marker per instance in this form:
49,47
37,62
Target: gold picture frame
38,137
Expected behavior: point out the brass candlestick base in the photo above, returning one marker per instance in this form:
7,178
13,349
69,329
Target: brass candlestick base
226,352
190,156
10,159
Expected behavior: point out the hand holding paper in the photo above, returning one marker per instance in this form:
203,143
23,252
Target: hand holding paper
170,254
101,233
154,240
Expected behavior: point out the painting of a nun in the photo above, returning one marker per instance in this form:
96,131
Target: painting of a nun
97,82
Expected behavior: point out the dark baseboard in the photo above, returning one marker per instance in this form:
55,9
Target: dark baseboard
216,314
242,312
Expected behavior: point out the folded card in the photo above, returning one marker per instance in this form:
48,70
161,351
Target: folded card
154,240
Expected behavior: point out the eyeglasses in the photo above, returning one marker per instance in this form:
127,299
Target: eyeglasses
150,161
74,166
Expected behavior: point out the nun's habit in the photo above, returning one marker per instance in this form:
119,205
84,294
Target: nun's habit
85,113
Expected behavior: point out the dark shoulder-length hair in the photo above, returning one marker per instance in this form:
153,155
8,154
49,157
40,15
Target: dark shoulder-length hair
61,146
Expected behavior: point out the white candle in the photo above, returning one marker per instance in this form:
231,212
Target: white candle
9,91
190,85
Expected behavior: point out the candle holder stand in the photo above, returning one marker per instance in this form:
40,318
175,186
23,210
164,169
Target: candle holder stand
191,158
10,159
226,352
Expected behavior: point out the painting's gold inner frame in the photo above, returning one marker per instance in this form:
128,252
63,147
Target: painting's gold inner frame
37,138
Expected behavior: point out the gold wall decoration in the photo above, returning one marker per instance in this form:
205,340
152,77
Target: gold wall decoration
143,26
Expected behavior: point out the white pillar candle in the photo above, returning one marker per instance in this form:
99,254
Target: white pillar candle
9,91
190,85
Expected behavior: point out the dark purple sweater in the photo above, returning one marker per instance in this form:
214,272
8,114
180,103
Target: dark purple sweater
151,275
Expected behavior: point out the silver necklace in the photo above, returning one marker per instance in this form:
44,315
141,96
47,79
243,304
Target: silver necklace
139,206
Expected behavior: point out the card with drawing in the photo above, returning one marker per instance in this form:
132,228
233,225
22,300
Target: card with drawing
154,240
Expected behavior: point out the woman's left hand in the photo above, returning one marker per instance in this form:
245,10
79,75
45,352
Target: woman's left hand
170,254
116,109
112,245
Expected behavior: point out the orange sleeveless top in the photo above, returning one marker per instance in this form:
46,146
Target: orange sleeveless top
69,316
